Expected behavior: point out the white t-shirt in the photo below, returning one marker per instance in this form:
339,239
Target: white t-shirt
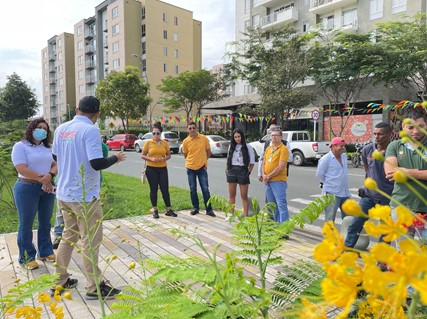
37,157
237,159
76,143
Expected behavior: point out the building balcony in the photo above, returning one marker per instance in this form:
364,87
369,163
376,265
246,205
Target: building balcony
279,19
350,27
52,56
267,3
324,6
105,26
89,49
90,79
52,81
89,34
105,43
52,68
90,64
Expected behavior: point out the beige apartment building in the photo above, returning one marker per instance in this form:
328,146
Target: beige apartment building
159,38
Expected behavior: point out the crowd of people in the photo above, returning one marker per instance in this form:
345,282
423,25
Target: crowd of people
58,171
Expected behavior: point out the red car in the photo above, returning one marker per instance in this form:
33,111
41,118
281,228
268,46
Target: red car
121,141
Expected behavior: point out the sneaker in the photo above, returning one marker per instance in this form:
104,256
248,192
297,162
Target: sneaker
48,258
69,284
56,242
171,213
286,237
106,292
31,265
210,213
194,211
156,214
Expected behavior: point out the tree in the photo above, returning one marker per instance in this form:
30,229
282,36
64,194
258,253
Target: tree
276,64
341,68
403,58
17,100
124,95
190,90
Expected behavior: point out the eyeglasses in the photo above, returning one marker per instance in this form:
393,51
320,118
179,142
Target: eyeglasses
191,128
156,133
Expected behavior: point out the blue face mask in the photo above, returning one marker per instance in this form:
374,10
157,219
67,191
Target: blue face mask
39,134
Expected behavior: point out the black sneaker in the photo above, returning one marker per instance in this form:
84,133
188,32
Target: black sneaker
56,242
106,292
210,213
171,213
69,284
156,214
194,211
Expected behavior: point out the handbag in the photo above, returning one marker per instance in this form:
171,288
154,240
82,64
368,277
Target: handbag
143,175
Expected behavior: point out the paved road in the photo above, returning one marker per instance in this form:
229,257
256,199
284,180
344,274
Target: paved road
303,184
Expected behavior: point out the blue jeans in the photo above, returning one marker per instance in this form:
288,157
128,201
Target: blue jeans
202,174
356,226
30,200
276,193
58,227
331,209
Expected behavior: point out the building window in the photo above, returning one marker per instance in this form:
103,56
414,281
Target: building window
175,37
143,30
175,53
60,68
255,21
116,47
44,54
165,67
175,20
81,89
165,17
375,9
115,29
398,6
143,46
60,56
349,18
79,45
59,42
61,94
165,51
328,22
247,25
115,12
61,82
116,64
143,13
61,107
305,26
46,89
80,76
79,30
165,34
176,69
247,5
45,66
80,60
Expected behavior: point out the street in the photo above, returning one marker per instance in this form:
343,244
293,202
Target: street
303,186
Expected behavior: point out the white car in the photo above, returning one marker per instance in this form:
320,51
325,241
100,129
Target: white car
170,137
219,145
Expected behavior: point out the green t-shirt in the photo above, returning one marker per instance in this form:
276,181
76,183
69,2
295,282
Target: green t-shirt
408,157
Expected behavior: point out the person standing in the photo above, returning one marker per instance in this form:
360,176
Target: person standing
34,192
409,158
274,175
333,174
197,150
76,145
374,169
240,162
156,152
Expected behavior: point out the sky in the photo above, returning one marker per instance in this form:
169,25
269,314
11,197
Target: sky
27,25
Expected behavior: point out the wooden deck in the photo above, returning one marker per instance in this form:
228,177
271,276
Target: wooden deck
144,237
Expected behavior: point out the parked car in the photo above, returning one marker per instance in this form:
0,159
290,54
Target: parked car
303,149
121,141
170,137
219,145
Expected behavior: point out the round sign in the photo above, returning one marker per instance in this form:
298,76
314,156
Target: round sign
315,114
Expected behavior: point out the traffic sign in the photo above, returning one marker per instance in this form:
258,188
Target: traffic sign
315,114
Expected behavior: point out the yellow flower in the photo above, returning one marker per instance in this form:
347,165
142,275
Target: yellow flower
43,297
404,216
370,183
421,286
113,257
399,177
312,311
352,208
378,156
57,295
379,211
68,295
132,265
338,295
332,246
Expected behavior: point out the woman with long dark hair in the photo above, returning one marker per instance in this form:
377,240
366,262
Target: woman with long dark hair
240,162
34,192
156,152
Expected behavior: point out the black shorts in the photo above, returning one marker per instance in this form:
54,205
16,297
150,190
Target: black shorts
238,174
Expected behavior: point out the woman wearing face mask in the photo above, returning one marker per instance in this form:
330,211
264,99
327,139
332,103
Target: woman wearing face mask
156,152
34,192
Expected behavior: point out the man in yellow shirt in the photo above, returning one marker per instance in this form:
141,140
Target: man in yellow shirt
274,175
197,150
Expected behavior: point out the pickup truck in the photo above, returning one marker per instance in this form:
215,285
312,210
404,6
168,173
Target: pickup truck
303,149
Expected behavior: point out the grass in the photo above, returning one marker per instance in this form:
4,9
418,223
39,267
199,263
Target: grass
121,196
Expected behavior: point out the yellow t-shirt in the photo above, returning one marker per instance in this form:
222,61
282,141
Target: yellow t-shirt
271,161
196,148
156,150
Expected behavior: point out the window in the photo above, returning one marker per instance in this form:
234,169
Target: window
247,25
80,60
79,45
61,94
349,18
45,77
305,26
328,22
398,6
59,42
175,20
45,66
143,46
255,20
176,69
61,107
44,54
143,13
247,5
143,30
165,67
46,89
80,74
175,54
115,29
116,47
144,65
81,89
165,34
375,9
79,30
60,56
165,17
165,51
60,68
116,64
175,37
61,82
115,12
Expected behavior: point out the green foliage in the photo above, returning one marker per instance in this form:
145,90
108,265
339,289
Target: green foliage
17,99
123,94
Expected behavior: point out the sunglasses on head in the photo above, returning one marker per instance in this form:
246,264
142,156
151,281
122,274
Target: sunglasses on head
156,133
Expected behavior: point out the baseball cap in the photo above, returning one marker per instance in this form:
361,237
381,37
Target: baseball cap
337,141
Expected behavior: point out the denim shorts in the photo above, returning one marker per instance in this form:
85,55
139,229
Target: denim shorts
238,174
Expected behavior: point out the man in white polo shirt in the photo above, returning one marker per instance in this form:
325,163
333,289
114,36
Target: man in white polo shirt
77,145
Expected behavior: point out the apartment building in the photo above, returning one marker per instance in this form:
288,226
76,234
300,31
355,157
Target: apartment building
58,76
158,38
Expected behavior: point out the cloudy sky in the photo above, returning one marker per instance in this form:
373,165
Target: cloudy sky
26,26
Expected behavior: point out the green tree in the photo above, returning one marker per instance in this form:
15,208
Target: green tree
190,91
341,68
403,55
124,95
17,100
